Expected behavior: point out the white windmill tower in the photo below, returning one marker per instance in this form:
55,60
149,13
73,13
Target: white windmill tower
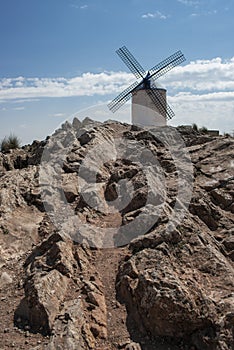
149,102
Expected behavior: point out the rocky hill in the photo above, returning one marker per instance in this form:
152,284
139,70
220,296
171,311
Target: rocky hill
115,237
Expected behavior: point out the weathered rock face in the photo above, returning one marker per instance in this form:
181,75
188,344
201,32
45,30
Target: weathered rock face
50,269
123,186
22,158
47,267
183,288
166,283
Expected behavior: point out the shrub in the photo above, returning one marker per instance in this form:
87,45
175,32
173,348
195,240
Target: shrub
203,130
5,231
10,142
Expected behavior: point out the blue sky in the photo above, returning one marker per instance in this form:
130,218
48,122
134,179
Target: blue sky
58,57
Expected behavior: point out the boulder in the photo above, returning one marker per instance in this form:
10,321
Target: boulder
165,283
222,198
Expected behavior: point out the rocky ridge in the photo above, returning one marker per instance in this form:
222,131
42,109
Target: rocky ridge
129,274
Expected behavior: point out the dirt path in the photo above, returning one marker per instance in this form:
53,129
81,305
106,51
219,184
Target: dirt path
106,263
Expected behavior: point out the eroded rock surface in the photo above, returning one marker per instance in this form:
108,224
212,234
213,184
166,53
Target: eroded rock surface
95,219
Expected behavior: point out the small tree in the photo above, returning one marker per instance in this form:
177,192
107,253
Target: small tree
10,142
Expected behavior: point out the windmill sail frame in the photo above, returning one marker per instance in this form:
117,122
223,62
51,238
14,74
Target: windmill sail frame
148,79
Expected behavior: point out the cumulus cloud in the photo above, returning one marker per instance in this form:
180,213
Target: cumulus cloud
215,75
212,112
201,91
202,75
88,84
156,14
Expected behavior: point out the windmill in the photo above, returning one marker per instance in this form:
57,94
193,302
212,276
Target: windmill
149,105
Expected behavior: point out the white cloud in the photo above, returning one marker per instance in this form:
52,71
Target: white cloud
157,14
26,100
88,84
80,7
23,126
202,75
19,108
212,113
189,2
58,115
201,91
208,13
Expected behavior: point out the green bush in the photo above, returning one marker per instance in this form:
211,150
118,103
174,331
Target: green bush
10,142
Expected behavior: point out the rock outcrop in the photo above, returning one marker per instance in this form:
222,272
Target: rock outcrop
114,237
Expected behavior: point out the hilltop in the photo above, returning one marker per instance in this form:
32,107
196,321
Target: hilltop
116,237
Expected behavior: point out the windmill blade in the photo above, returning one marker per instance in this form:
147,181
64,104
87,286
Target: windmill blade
160,102
131,62
123,97
166,65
